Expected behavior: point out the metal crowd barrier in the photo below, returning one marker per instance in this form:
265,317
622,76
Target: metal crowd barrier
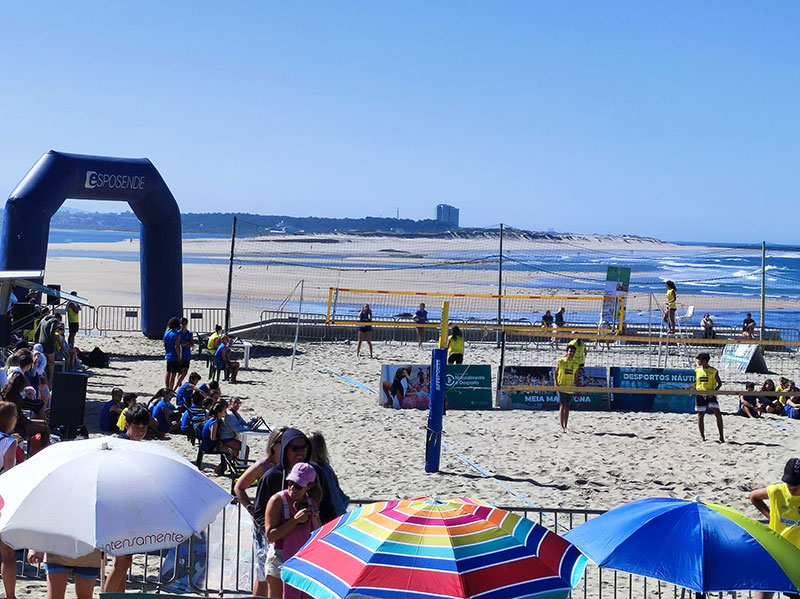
221,562
127,319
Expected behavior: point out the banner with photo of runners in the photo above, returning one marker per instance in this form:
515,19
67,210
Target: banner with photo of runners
652,378
469,386
513,376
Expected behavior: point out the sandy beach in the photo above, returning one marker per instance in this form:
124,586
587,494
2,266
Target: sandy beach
510,458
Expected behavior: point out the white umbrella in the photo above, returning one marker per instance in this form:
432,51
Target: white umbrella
116,495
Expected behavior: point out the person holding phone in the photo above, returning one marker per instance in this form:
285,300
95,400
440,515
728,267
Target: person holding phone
292,514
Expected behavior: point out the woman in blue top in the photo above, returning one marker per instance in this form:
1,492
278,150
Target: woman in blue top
365,330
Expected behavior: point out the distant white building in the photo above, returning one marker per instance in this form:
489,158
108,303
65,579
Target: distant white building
445,213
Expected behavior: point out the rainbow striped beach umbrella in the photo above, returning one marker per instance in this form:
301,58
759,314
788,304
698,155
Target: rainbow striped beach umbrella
423,547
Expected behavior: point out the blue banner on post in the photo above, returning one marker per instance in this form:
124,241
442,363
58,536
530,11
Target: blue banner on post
433,438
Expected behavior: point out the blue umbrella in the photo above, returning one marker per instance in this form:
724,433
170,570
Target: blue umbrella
700,546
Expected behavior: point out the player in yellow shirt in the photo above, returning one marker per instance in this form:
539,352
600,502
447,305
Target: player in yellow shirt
783,510
565,375
671,305
706,379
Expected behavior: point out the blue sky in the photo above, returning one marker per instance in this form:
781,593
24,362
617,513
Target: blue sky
675,120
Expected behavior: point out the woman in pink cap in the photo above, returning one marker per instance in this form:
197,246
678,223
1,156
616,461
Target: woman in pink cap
291,516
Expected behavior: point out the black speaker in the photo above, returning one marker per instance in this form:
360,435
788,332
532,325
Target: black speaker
68,402
53,299
22,315
5,330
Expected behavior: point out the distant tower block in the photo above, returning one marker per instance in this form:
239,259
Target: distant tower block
447,214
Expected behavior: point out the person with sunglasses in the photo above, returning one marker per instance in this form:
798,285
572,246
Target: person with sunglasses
292,514
295,448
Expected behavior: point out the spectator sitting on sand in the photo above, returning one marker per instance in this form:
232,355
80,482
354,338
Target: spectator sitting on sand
166,414
768,403
791,405
129,401
110,412
246,480
184,394
748,404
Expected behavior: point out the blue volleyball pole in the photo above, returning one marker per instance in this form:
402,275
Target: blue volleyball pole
433,438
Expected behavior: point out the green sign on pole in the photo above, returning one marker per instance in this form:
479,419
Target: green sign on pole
469,387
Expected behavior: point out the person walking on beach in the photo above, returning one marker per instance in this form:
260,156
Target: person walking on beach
186,342
671,306
781,504
706,379
365,330
559,320
421,317
565,375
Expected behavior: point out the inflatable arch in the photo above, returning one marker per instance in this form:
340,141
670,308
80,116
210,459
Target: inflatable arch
58,176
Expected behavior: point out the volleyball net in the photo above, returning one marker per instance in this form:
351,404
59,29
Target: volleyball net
520,313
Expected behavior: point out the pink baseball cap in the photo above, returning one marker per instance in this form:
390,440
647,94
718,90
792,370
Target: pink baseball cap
302,474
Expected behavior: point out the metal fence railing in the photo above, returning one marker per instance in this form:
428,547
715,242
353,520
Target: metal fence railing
127,319
220,561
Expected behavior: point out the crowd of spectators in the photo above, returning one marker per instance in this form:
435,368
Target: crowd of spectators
753,404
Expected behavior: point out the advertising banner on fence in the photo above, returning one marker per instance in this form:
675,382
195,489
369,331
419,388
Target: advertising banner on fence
618,280
652,378
743,357
595,376
469,386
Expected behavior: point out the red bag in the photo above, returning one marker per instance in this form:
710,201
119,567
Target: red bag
20,454
35,444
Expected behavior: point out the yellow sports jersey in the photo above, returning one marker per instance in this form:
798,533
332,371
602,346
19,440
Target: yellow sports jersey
566,371
456,345
784,513
671,299
705,378
213,342
782,398
121,420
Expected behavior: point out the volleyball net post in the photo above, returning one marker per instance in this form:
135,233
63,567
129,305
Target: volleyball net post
433,436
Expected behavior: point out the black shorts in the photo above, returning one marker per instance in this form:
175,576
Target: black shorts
48,348
564,398
74,327
455,359
397,390
701,402
174,366
185,364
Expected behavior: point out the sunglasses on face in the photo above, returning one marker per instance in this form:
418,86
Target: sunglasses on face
303,447
294,485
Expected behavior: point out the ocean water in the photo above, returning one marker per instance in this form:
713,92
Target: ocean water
728,271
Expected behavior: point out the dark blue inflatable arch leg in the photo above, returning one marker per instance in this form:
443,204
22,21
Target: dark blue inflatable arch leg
58,176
